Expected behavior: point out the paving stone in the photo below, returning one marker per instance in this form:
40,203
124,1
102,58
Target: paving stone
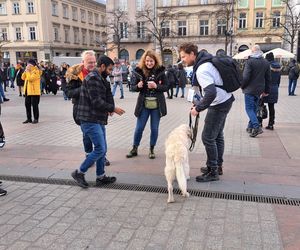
89,232
34,234
270,238
116,245
191,245
67,237
232,242
144,232
19,245
155,246
46,200
102,239
33,209
60,212
137,244
46,240
59,228
5,218
42,214
151,221
10,237
79,244
195,235
252,247
18,219
4,229
250,237
48,222
160,237
112,227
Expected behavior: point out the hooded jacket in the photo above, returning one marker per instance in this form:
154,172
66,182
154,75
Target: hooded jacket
31,79
256,75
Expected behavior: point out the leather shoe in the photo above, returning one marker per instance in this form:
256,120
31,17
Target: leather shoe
35,121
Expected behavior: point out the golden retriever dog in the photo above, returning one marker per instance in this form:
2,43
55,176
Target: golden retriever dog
177,161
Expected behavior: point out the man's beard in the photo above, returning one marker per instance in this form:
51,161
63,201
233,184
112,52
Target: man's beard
104,74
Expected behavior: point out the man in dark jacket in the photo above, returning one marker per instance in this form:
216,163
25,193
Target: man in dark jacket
172,80
95,104
294,72
218,103
256,80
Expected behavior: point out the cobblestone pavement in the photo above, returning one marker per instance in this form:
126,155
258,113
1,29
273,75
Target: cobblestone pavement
42,216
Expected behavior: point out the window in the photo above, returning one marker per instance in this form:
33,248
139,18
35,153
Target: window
221,26
92,37
65,11
76,35
140,5
242,20
259,3
83,15
18,34
123,30
16,8
56,32
259,20
140,29
166,3
32,33
165,29
203,27
243,3
3,34
97,21
67,34
276,19
97,37
74,13
123,5
277,2
203,1
90,17
181,28
54,8
83,31
2,9
182,2
30,7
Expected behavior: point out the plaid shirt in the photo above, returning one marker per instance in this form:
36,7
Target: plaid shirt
96,100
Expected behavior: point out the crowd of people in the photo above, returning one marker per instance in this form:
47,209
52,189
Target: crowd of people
89,83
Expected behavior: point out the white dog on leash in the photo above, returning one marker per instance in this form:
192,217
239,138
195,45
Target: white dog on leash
177,160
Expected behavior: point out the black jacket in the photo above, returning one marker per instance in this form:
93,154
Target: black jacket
256,76
162,86
96,100
293,71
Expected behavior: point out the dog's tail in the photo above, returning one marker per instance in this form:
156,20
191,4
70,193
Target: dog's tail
181,179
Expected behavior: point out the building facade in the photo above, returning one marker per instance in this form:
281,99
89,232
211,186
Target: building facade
258,22
42,29
127,29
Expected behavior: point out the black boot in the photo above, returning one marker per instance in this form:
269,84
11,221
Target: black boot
133,152
213,175
151,153
79,178
205,170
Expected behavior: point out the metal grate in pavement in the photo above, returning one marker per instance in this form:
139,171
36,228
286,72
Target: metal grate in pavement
158,189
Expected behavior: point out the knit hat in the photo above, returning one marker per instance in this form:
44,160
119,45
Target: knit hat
32,62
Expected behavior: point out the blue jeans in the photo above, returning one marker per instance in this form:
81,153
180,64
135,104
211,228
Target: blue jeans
251,105
292,86
177,90
2,95
97,135
115,87
213,135
12,82
141,123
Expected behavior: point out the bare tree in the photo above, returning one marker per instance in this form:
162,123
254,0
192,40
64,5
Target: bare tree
156,25
115,31
2,43
289,22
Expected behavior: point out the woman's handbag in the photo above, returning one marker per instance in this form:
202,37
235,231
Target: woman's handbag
151,102
262,111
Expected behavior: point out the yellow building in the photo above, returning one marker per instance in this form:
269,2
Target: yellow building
42,29
258,22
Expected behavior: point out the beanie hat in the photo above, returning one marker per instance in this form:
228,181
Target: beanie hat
32,62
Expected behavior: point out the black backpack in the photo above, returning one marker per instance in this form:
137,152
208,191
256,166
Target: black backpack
230,73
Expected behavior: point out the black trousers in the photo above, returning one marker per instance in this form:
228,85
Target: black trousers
271,113
1,128
32,100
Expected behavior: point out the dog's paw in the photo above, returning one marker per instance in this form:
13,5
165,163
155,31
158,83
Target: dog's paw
171,201
186,194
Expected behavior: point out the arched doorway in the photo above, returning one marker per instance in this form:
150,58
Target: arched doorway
139,54
167,57
124,55
243,48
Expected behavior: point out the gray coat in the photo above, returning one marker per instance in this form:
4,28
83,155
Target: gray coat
256,76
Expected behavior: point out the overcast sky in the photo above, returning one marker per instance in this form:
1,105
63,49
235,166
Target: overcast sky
101,1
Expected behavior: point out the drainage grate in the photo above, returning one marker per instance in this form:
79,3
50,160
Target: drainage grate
157,189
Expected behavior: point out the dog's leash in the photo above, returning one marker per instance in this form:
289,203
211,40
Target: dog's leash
194,130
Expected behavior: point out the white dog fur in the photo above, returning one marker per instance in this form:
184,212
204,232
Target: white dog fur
177,160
